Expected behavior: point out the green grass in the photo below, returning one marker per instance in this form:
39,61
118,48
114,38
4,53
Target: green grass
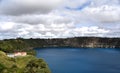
22,61
26,64
6,60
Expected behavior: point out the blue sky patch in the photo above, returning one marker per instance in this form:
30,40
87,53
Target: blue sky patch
79,7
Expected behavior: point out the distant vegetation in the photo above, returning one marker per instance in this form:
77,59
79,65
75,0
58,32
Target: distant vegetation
27,64
21,44
15,45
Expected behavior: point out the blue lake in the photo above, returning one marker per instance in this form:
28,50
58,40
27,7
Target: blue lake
79,60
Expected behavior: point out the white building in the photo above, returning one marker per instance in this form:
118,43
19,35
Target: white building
11,55
16,54
20,54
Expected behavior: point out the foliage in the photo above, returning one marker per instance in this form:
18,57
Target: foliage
20,44
36,66
27,64
2,68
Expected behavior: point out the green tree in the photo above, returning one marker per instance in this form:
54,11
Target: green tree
36,66
2,68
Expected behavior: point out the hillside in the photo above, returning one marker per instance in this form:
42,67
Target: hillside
84,42
27,64
21,44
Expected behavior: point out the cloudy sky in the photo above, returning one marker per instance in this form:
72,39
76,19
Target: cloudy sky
59,18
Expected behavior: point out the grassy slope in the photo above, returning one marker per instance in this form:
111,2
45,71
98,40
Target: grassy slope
21,63
6,60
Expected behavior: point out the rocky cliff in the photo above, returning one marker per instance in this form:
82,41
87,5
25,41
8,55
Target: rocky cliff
85,42
81,42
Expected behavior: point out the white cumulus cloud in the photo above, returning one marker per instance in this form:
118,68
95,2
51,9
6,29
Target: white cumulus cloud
59,18
104,13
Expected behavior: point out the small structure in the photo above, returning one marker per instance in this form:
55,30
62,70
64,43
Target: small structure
10,55
17,54
20,54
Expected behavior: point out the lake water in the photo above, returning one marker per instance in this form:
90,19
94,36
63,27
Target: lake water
78,60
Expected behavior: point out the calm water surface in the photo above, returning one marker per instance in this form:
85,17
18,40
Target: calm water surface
78,60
